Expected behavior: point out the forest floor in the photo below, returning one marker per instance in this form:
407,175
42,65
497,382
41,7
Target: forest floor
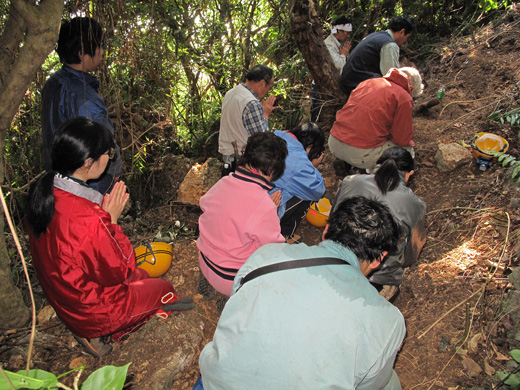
451,299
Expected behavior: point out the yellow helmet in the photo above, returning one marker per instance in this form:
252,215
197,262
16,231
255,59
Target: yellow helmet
155,258
485,145
318,213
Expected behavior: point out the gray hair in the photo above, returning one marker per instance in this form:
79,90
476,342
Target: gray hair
415,80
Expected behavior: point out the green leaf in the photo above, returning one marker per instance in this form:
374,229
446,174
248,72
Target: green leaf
508,160
108,377
516,170
37,379
515,353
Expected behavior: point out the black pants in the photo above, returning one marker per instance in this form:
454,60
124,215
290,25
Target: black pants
295,211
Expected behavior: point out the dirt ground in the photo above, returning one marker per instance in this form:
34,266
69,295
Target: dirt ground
456,335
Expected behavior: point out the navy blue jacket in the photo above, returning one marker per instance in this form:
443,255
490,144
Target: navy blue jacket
68,94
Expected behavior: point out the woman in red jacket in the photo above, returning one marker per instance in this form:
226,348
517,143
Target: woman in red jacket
83,260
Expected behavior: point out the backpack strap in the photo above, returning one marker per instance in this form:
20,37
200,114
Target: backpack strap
291,264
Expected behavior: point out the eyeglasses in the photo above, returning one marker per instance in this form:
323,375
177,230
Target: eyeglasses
111,153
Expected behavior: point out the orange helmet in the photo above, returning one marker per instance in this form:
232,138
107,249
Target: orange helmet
155,258
485,145
318,213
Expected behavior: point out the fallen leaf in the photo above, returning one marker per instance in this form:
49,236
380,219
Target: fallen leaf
473,343
501,356
470,367
487,368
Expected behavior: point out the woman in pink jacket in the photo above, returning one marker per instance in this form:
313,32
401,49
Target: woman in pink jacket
239,216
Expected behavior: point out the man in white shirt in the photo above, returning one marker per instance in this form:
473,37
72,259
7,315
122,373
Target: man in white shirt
338,45
243,114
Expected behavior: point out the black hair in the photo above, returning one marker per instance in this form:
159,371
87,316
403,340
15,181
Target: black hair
265,152
365,226
74,142
310,134
391,162
80,35
259,73
341,20
402,21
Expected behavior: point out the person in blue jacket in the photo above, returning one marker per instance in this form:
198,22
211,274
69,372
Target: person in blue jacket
302,183
72,91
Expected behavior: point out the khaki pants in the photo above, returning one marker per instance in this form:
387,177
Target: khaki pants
360,158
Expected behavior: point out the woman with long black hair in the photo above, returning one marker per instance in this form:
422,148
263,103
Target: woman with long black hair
83,260
387,184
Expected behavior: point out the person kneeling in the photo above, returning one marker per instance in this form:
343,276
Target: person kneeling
313,322
83,260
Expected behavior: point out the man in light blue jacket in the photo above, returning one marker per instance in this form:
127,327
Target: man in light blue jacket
302,183
314,327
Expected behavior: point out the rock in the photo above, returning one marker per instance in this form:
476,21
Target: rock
168,345
199,180
451,156
514,278
45,315
78,362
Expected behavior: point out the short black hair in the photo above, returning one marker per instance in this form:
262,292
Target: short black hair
402,21
265,152
310,134
365,226
259,73
80,35
341,20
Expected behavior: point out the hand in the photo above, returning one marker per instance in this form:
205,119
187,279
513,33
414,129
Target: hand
276,197
115,202
317,161
345,48
268,105
411,143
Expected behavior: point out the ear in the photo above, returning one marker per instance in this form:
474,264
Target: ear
377,262
88,163
325,232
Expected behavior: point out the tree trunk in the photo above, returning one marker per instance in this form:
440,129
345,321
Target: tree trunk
29,36
308,35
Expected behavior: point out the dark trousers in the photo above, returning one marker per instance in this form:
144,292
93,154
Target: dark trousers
295,211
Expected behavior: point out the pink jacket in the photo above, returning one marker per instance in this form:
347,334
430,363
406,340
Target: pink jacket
238,218
377,111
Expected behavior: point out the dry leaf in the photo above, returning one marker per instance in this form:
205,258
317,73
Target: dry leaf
487,368
473,343
501,356
471,368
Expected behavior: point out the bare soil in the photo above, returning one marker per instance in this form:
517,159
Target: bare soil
451,300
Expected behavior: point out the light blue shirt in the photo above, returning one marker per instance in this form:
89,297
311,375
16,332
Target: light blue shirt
322,327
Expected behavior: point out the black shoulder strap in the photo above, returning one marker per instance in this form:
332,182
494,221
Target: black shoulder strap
291,264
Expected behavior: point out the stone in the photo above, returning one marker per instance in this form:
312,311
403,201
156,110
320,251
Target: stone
45,315
451,156
168,345
199,180
77,363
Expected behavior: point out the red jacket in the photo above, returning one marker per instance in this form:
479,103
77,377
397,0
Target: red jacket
82,262
378,110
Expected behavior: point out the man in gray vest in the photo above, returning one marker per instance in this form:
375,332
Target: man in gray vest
242,112
376,54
